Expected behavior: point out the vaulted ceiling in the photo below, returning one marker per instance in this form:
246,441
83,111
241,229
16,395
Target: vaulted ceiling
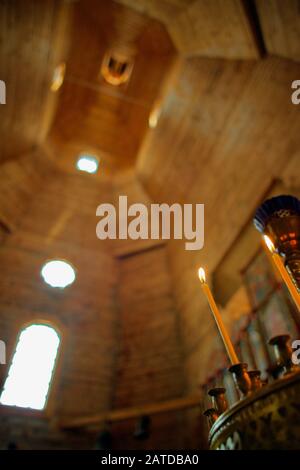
213,29
89,114
93,115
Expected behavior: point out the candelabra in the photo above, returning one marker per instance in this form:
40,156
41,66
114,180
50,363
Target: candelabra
267,416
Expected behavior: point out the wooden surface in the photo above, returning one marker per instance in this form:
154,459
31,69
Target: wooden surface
93,115
225,29
129,413
280,22
204,27
33,41
150,360
227,130
138,329
86,309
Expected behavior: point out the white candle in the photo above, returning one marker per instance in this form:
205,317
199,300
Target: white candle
283,272
218,319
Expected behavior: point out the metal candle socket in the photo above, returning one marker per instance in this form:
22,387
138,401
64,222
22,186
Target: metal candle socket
256,382
241,378
211,415
219,401
283,353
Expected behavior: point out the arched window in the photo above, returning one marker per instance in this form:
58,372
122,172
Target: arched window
30,372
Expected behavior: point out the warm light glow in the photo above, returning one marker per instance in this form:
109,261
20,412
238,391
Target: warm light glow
279,264
30,373
58,273
87,163
269,243
58,77
202,276
154,117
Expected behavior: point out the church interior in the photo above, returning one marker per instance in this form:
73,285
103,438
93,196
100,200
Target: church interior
164,102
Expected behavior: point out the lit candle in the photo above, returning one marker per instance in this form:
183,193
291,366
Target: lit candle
218,319
283,272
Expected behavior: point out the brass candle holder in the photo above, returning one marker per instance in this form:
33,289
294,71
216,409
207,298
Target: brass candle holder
256,382
211,415
219,401
241,378
268,419
279,218
265,413
283,353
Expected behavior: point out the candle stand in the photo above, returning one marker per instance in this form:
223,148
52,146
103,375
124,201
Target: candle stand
267,416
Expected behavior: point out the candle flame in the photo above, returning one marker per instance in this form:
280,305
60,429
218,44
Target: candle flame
269,243
202,276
